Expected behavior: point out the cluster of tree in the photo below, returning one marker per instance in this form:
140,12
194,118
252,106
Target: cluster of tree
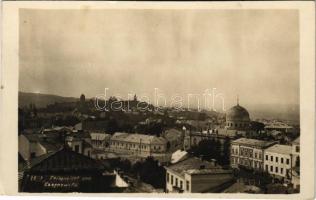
258,178
256,126
67,121
213,149
151,129
148,171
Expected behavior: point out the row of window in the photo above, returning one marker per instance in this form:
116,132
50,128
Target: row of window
237,125
276,159
248,154
134,145
246,162
177,183
277,170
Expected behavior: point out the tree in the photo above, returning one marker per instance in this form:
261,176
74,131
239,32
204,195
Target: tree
151,172
112,126
226,152
256,126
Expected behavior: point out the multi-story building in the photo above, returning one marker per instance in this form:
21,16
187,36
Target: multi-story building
100,140
296,152
138,144
278,161
296,163
194,175
248,153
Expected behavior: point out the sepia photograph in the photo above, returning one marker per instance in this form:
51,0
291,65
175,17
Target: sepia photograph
159,100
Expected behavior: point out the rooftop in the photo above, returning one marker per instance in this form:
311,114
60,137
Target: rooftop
253,142
172,134
191,163
281,149
207,171
296,141
138,138
99,136
178,156
51,142
278,126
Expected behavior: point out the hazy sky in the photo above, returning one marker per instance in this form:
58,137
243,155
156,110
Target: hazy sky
252,53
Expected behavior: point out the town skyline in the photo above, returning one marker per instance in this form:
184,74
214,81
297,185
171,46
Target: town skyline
159,101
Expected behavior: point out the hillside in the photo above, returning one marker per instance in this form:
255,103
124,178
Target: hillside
42,100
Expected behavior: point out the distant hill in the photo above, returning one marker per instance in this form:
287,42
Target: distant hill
42,100
275,111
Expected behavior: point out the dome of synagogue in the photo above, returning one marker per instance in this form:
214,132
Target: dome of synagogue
237,113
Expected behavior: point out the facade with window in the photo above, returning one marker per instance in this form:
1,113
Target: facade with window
248,153
194,175
138,144
278,161
296,152
100,140
296,163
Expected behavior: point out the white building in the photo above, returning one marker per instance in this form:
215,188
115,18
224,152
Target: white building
296,152
248,153
138,144
278,161
194,175
296,163
100,140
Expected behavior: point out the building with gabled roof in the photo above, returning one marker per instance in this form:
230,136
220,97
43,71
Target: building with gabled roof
68,171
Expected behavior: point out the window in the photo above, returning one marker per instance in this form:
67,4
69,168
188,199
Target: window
267,167
276,159
171,179
281,170
33,154
271,158
188,185
176,182
256,155
259,155
287,161
181,185
168,177
77,148
297,149
287,172
276,170
271,168
267,157
282,160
